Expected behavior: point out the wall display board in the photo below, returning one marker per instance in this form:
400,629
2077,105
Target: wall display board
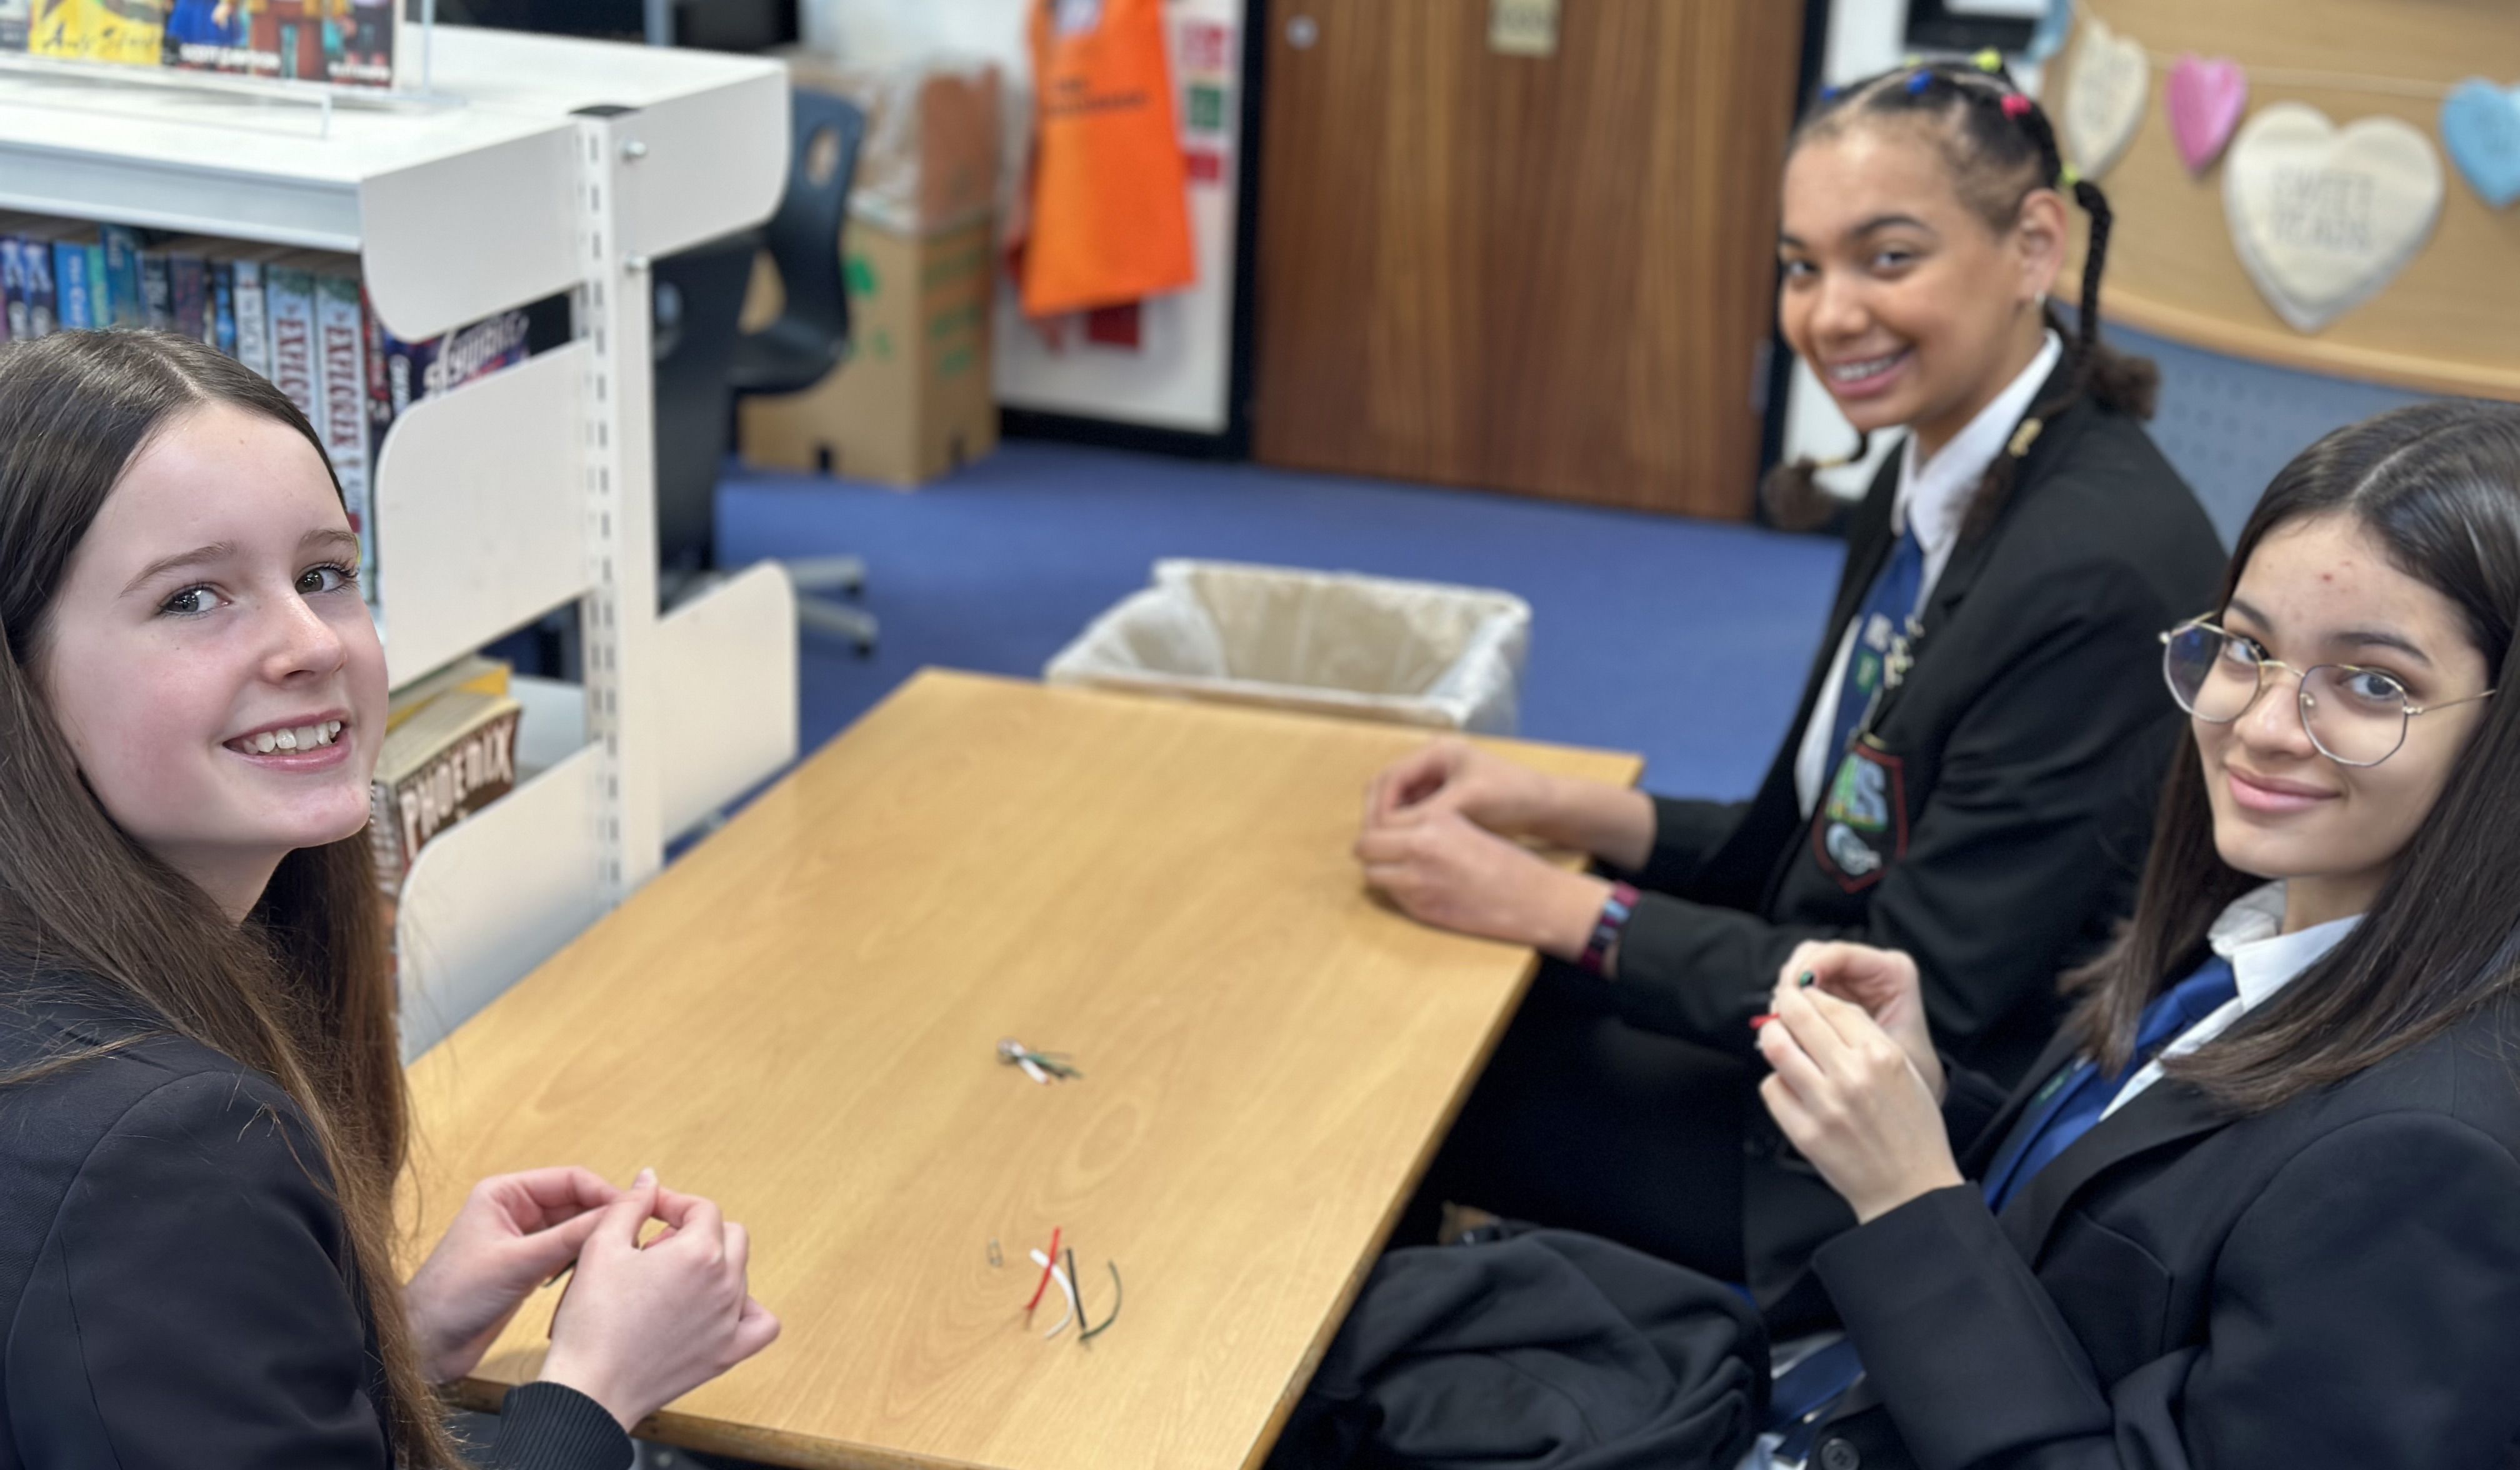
2325,185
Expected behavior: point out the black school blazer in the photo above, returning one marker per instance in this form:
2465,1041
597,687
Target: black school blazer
2335,1283
2020,759
175,1283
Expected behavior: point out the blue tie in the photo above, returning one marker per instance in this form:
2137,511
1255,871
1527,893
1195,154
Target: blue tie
2074,1099
2064,1110
1884,616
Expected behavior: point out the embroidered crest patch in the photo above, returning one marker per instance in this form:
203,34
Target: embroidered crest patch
1862,826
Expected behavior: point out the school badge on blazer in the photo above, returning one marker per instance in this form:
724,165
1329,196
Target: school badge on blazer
1862,826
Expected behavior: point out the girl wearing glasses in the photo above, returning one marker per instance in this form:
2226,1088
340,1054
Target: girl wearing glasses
1969,773
2260,1203
202,1108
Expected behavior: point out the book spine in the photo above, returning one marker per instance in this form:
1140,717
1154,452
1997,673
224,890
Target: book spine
384,838
478,350
157,292
342,340
290,298
223,322
191,290
121,283
69,274
381,401
475,770
253,325
12,289
94,250
43,294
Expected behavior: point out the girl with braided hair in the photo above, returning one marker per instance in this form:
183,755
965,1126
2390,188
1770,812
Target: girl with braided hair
1969,774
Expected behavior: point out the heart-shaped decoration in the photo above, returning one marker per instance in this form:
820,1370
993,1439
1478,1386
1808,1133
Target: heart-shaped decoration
2206,99
2106,88
2324,217
2481,124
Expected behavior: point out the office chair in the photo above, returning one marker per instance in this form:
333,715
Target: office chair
704,361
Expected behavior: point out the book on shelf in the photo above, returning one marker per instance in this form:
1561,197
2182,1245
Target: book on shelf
350,43
121,287
223,320
342,394
78,270
452,757
26,276
288,299
300,318
254,321
475,673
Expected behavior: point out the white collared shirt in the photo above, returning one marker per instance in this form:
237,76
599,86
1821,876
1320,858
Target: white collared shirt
1933,499
2264,960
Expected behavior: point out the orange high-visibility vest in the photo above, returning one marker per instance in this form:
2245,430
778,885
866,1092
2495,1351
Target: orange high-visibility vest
1111,219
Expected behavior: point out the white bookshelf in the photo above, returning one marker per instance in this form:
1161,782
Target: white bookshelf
552,165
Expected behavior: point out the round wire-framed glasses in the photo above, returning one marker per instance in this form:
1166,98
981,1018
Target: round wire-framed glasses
2356,716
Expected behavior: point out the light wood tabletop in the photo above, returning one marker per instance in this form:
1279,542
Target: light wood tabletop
800,1019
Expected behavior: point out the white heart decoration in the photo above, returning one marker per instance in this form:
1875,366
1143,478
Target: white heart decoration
2324,217
2105,90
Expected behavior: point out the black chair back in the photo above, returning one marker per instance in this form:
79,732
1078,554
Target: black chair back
811,336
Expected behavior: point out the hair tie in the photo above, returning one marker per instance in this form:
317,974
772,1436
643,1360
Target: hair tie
2068,177
1831,93
2015,105
1989,60
1917,83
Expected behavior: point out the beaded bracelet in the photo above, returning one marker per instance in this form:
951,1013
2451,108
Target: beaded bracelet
1606,929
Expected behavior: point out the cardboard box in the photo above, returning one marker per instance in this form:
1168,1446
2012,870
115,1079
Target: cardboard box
915,400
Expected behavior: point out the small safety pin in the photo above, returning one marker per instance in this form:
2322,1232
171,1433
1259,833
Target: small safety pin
1040,1066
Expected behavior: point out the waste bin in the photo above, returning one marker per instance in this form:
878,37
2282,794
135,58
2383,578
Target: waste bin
1327,643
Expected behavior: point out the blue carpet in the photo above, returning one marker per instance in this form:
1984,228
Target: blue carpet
1682,641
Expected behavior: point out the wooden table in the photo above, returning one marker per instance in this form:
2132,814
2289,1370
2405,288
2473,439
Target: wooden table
800,1021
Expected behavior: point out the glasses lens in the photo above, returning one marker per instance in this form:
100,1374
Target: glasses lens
2357,716
2212,674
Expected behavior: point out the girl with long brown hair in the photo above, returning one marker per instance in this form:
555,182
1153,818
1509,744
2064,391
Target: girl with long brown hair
2260,1203
202,1112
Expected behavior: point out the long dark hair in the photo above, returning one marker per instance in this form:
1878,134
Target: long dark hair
2438,486
300,992
2000,146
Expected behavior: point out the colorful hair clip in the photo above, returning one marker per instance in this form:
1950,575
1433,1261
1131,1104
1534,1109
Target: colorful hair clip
2015,105
1989,60
1917,83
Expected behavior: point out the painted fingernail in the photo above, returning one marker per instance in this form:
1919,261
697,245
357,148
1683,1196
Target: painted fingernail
1758,1022
1807,979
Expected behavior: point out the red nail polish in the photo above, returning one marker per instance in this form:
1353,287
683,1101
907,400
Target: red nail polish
1760,1020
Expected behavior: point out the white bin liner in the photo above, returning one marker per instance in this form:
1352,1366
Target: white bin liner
1327,643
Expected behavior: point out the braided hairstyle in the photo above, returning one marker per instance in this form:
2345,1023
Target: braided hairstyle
2000,146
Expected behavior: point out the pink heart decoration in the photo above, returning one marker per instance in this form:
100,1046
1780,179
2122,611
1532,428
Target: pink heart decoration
2206,100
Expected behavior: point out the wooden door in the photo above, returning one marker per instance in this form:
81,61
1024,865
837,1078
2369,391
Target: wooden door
1551,275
